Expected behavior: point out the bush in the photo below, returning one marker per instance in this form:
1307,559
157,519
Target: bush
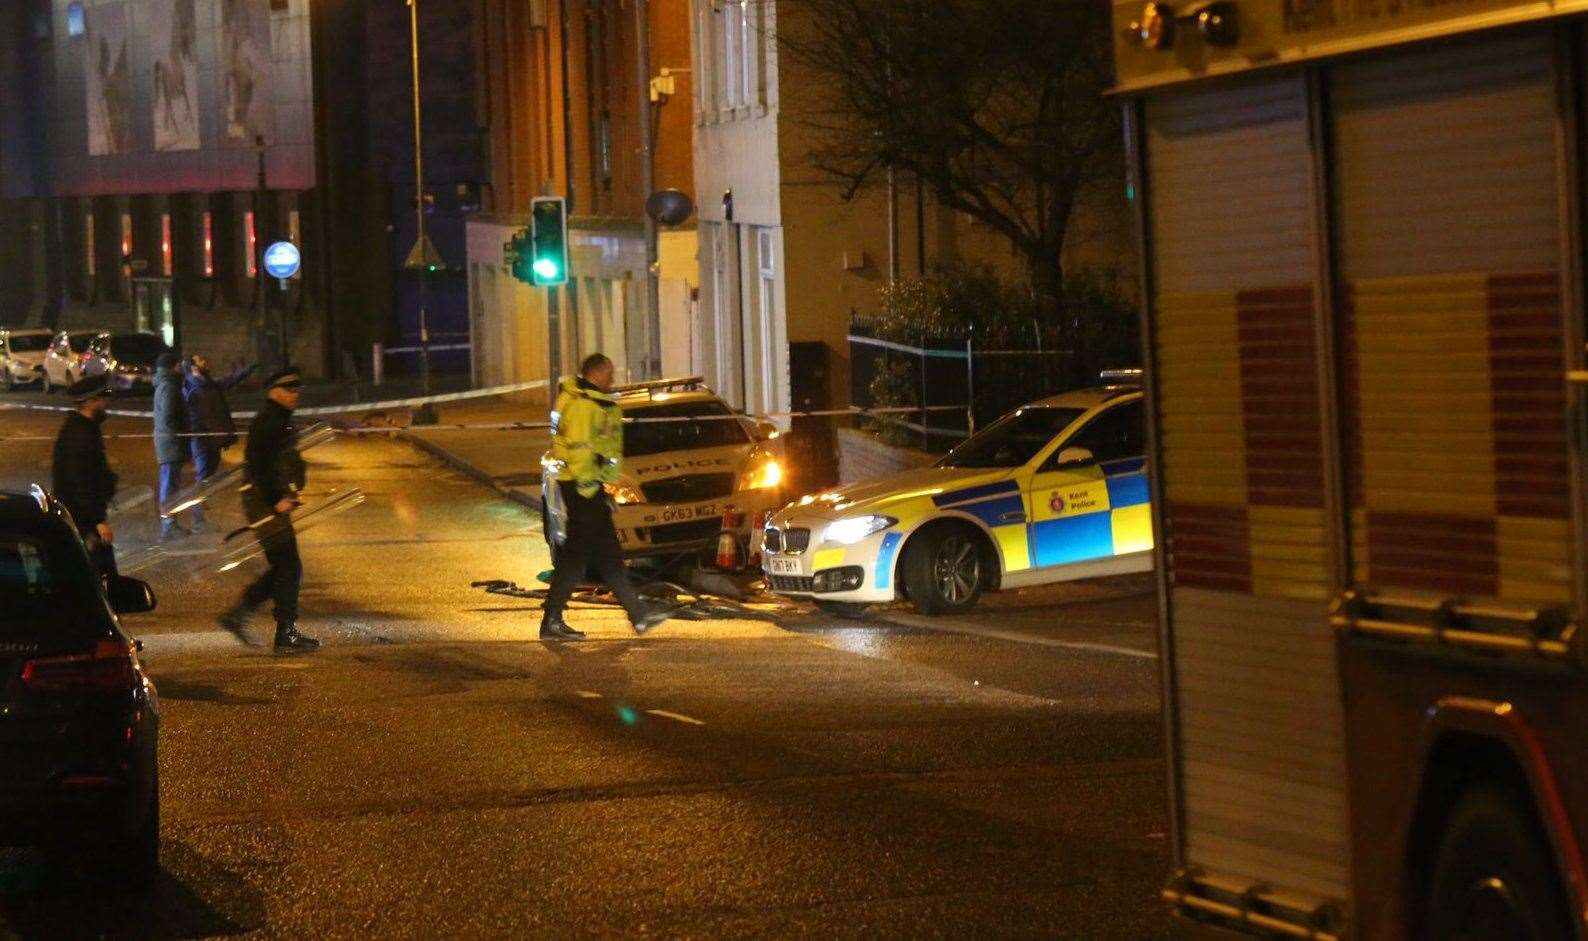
894,386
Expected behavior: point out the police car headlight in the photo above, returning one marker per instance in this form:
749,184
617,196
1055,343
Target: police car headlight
850,531
624,494
762,477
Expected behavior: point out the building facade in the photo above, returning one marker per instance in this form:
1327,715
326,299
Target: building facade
150,149
786,255
565,90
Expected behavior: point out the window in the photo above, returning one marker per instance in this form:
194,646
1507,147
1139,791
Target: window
717,429
251,244
749,40
126,235
209,246
76,20
1013,440
1114,435
88,243
765,50
165,244
731,18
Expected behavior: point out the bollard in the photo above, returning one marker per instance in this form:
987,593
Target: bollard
377,365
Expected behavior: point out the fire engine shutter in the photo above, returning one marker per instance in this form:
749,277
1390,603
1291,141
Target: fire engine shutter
1448,229
1260,753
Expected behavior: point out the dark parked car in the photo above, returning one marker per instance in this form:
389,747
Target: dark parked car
79,719
127,358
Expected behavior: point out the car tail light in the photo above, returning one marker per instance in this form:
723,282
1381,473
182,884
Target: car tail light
110,666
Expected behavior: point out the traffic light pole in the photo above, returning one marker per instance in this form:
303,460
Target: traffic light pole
553,343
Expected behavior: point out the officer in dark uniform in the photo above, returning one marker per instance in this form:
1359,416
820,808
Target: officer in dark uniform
80,472
275,474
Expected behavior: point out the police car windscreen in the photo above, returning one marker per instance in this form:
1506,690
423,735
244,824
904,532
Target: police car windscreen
45,585
30,343
79,341
1012,440
140,349
717,427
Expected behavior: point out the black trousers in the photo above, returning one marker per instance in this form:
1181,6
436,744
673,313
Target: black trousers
592,542
282,579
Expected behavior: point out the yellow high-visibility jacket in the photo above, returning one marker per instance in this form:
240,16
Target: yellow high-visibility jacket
587,435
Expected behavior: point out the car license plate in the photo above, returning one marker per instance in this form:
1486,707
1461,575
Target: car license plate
683,514
783,566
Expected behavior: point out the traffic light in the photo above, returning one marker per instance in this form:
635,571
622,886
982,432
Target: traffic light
517,256
549,235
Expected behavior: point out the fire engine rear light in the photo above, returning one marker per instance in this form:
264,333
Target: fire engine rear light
108,667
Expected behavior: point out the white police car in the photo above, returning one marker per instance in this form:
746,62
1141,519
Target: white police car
1053,491
688,460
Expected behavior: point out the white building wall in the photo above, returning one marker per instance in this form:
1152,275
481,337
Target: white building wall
740,323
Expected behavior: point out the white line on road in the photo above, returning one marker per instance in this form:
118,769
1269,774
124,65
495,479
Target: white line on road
1017,637
586,694
664,714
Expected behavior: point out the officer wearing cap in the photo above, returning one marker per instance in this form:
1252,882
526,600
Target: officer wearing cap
80,471
275,474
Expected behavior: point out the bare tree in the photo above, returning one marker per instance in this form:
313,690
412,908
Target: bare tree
997,105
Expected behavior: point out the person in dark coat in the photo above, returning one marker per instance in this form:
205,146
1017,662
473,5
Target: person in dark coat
210,419
170,427
275,474
80,473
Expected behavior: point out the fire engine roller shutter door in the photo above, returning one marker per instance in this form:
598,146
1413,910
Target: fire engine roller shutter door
1262,765
1448,233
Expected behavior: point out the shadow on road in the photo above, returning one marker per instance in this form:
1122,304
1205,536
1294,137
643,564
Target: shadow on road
192,898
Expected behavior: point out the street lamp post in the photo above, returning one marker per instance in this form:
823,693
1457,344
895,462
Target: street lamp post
422,257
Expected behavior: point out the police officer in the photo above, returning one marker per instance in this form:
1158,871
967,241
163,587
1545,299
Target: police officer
587,438
275,474
80,472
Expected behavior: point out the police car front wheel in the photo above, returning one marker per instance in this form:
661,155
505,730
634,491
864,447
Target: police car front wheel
945,570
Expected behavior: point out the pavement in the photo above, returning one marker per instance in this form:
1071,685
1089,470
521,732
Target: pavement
436,771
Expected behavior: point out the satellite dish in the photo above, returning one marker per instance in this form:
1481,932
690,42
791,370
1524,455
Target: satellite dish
669,207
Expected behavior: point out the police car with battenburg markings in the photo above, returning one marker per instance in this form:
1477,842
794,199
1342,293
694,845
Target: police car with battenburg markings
689,460
1053,491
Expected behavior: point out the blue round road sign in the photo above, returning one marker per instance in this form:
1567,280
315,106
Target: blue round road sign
282,260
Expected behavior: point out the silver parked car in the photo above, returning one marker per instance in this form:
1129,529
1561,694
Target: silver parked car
22,352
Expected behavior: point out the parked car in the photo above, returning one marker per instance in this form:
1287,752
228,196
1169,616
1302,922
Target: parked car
79,720
22,352
127,358
1053,491
63,361
688,459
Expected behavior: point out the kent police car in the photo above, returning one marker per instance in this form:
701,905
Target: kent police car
1053,491
688,460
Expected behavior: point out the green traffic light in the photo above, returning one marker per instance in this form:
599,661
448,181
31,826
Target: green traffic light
546,269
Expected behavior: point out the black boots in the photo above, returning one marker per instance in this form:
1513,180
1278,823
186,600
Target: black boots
288,638
556,629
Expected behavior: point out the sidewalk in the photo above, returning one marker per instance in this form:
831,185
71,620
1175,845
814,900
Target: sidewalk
508,460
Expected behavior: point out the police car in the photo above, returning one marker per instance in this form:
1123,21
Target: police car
689,460
1053,491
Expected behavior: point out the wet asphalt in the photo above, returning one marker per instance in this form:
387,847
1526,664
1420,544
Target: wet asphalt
437,771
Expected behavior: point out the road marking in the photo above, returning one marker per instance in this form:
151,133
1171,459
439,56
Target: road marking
664,714
586,694
1017,637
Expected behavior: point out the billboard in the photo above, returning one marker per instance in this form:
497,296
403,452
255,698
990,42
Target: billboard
164,96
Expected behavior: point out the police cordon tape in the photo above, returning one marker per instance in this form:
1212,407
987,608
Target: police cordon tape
850,412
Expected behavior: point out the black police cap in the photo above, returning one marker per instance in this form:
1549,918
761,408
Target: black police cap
89,388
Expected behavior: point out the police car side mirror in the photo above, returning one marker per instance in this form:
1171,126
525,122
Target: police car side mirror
1072,456
130,596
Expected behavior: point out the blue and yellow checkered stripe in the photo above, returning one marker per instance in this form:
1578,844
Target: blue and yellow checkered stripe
1092,513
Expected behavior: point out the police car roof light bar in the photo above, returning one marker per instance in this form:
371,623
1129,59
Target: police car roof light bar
661,385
